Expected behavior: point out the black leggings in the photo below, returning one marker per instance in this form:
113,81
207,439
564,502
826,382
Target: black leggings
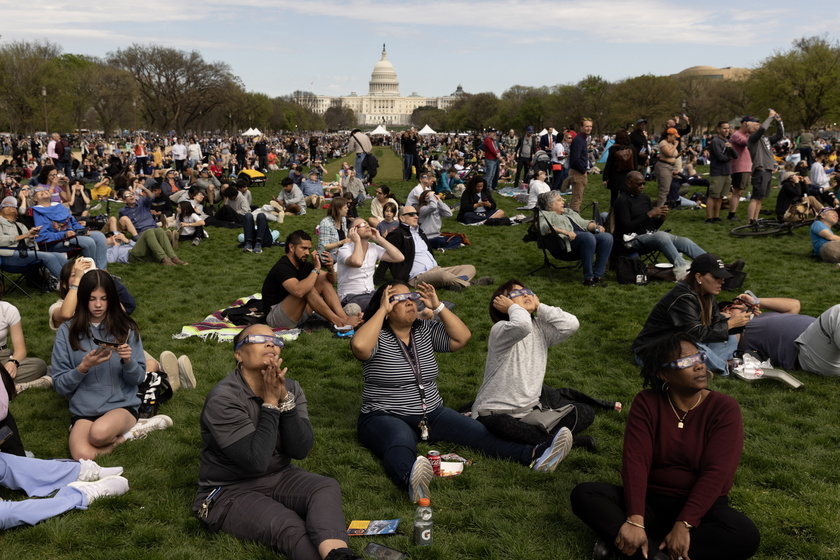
723,534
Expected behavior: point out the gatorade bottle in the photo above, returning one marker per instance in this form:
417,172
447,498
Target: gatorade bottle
423,523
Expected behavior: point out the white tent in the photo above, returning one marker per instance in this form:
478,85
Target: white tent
427,130
380,131
252,132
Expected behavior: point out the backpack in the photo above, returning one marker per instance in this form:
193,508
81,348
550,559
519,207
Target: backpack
630,270
153,392
370,164
625,159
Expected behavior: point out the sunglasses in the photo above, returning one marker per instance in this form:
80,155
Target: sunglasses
260,339
518,293
413,296
688,361
409,213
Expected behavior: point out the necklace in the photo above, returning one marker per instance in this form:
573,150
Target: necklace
680,421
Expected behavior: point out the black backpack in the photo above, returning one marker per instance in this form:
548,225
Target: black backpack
630,270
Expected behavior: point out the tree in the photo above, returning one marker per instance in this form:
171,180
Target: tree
474,112
339,117
176,87
801,83
426,115
655,98
24,70
109,91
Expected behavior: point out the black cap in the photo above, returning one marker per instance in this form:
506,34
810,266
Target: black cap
711,264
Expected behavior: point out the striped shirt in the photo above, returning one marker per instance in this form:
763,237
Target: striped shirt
390,384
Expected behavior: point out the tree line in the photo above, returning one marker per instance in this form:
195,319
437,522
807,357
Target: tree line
162,89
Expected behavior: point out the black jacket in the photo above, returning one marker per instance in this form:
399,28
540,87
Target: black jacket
401,239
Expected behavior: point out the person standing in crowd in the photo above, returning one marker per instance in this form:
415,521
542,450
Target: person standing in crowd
579,164
742,165
763,162
492,156
721,154
525,150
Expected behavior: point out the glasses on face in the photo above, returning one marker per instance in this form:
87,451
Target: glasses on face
520,292
396,298
409,213
688,361
260,339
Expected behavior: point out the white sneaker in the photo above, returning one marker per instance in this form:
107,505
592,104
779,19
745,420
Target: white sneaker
419,478
44,382
104,488
680,273
89,471
553,454
169,365
145,425
185,372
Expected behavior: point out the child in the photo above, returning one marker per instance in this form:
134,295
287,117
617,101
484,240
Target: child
388,224
189,223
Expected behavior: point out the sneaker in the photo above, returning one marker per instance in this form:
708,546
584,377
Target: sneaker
196,241
585,442
166,261
185,372
709,221
44,382
258,247
590,282
169,365
419,479
440,250
179,262
737,265
248,248
89,471
96,207
104,488
732,217
549,455
145,425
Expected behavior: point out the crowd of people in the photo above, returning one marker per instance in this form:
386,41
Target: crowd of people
672,504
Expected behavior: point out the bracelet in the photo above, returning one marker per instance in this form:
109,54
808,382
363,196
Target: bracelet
288,403
439,308
14,361
634,524
270,406
688,525
73,287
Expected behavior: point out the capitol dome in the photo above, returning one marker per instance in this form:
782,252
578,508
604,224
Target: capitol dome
383,79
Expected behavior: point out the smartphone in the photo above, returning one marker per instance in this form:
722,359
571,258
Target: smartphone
106,343
6,432
380,552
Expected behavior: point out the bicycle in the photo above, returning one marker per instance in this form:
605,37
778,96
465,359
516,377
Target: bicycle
768,227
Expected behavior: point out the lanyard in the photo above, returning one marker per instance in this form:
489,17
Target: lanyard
414,362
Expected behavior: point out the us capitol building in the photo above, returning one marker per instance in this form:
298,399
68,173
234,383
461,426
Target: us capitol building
383,103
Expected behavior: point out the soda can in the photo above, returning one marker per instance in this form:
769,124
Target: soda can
434,458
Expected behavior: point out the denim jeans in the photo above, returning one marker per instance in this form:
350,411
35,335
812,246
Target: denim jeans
588,246
359,159
93,245
491,172
394,439
670,245
262,231
409,161
53,261
441,242
718,353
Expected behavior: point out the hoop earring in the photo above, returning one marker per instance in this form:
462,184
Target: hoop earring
239,366
665,386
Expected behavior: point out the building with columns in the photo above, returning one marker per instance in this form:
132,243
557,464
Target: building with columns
383,103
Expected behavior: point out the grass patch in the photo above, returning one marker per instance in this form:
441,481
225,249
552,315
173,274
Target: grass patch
787,483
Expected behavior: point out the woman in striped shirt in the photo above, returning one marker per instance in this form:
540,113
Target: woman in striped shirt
401,404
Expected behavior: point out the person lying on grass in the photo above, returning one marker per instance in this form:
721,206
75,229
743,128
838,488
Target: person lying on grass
401,404
98,363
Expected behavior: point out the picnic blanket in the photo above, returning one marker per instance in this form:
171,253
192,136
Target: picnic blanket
216,327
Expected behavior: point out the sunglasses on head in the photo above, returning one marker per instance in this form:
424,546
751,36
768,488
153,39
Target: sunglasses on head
521,292
414,296
260,339
688,361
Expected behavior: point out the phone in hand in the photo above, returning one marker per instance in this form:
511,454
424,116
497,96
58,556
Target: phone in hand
106,344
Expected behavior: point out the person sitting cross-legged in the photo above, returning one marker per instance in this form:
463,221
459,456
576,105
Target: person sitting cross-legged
637,225
296,287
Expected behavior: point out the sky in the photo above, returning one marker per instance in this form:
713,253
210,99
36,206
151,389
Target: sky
329,47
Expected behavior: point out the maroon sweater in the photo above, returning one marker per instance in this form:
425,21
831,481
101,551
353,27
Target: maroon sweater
697,462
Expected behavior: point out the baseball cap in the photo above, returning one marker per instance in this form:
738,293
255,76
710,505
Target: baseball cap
711,264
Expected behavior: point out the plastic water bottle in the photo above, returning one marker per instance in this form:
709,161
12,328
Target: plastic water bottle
423,523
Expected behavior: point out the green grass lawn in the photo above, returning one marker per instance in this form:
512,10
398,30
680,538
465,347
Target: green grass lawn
787,482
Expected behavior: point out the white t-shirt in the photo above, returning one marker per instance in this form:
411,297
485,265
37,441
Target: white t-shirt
9,316
535,189
352,280
414,196
183,224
